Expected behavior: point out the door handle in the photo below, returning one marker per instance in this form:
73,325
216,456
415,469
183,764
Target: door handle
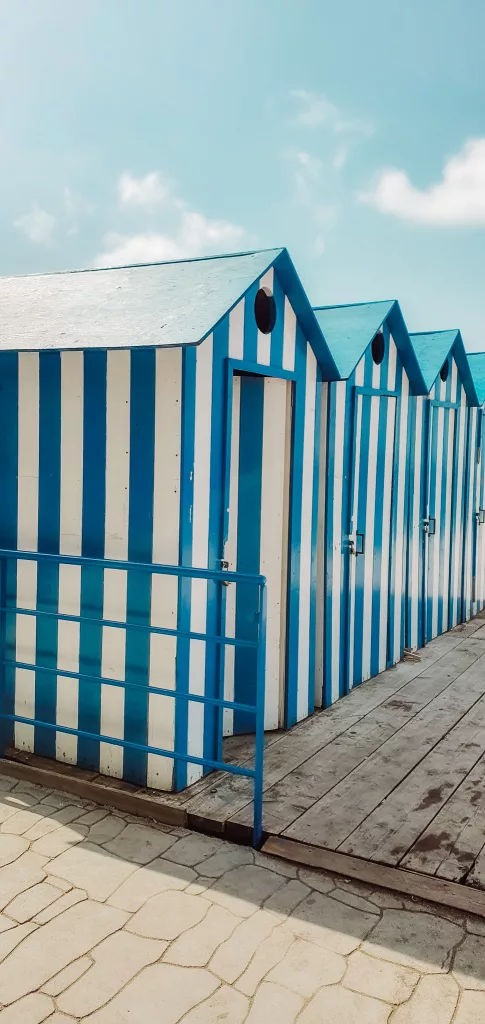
224,568
429,526
480,515
357,546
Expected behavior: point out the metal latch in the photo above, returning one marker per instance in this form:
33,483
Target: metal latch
429,526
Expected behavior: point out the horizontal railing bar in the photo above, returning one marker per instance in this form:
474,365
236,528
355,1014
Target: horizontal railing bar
146,749
180,571
141,688
163,630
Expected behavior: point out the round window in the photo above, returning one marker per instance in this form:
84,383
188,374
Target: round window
378,347
445,369
265,310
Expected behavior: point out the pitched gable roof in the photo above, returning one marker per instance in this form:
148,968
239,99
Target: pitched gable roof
433,347
476,362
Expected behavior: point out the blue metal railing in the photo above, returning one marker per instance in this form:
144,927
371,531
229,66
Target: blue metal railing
180,572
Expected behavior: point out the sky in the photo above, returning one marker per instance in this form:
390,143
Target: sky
351,133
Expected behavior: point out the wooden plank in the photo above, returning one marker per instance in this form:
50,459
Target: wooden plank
436,890
455,837
388,833
228,795
332,818
298,791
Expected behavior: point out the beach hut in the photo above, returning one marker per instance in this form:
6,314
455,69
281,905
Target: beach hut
474,577
365,450
167,413
440,425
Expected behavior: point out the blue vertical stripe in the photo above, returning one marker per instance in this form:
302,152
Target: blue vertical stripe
48,541
317,455
8,527
93,520
278,329
296,481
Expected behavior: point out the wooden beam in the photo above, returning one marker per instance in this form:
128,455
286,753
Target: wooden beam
426,887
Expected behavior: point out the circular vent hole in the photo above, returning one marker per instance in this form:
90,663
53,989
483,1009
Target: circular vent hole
445,369
265,310
378,347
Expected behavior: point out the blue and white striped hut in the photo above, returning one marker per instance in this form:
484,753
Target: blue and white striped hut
474,580
366,447
166,413
438,491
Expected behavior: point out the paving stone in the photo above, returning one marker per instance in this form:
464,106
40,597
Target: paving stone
287,897
19,822
92,869
268,954
12,847
243,889
167,915
475,925
379,979
385,900
471,1009
419,940
20,875
432,1002
49,949
13,937
60,1018
282,867
354,901
7,812
162,992
67,976
106,829
195,947
272,1002
56,798
193,849
91,817
226,1005
328,923
318,880
32,902
56,843
198,887
7,783
140,843
59,883
160,876
305,969
469,966
31,1010
226,858
67,900
233,957
18,799
339,1005
5,923
116,961
49,823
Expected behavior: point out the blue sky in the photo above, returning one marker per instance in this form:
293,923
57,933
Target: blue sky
352,133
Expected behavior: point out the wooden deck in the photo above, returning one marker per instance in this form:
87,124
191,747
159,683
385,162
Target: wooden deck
393,774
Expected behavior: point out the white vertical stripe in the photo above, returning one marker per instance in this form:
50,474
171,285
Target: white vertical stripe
289,337
71,501
200,538
435,538
230,554
386,531
447,515
236,331
166,517
27,517
275,483
369,535
457,541
264,340
414,582
391,370
320,597
116,547
399,552
306,536
355,469
339,430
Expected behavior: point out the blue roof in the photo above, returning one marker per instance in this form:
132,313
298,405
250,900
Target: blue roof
476,361
433,347
349,330
158,304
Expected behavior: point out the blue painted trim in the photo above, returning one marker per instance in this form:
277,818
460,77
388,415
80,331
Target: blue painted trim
296,479
247,366
8,529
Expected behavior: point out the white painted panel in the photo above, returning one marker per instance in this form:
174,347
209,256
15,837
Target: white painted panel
357,428
115,546
236,331
306,536
264,340
340,402
414,582
399,554
391,368
320,597
70,543
435,539
289,337
459,470
369,535
386,532
230,554
200,536
166,518
28,503
447,516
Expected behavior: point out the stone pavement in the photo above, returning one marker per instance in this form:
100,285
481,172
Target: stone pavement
107,918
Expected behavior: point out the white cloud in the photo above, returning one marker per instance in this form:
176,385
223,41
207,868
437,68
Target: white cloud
316,110
38,225
458,199
194,236
148,191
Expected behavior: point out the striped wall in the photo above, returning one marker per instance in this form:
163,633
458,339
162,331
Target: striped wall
366,501
129,455
438,492
474,548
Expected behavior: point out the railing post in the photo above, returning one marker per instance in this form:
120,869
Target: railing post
260,700
5,726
